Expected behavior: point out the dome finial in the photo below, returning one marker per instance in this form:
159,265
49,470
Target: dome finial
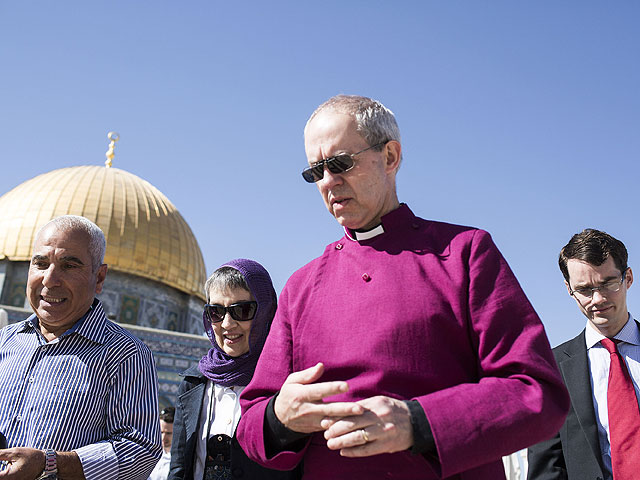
114,137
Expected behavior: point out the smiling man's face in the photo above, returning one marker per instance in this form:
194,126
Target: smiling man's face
62,283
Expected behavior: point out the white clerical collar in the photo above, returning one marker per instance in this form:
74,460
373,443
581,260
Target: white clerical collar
359,236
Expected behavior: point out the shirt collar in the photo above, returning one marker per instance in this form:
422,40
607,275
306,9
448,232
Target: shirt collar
629,334
90,325
220,391
94,323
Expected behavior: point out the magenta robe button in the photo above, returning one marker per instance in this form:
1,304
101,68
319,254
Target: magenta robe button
366,277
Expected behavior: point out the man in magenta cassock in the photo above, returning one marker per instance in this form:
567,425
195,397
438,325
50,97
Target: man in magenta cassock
408,349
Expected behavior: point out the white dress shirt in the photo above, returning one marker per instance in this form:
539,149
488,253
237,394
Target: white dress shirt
161,470
599,361
221,410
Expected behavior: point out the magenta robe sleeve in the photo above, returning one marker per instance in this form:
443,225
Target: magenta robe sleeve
518,397
266,382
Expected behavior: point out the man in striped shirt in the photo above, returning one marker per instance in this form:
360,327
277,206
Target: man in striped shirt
78,393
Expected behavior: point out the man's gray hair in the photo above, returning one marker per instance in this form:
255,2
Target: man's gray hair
97,242
375,122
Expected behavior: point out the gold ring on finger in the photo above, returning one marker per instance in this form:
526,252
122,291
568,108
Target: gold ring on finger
365,436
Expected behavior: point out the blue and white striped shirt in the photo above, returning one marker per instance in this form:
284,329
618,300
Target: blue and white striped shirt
93,390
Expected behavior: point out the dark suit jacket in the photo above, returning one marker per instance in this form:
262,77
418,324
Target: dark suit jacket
574,453
185,437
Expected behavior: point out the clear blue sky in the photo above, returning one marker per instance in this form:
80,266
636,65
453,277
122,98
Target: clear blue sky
519,117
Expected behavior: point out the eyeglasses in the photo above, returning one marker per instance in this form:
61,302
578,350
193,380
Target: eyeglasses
336,164
241,311
611,286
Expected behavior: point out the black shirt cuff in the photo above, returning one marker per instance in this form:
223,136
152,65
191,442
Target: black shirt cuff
423,441
279,438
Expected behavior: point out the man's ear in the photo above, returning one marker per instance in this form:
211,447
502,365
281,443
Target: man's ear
393,153
100,276
629,277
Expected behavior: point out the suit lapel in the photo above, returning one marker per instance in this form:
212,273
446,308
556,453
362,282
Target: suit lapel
574,365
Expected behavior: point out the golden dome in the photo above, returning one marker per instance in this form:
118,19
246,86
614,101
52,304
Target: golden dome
146,235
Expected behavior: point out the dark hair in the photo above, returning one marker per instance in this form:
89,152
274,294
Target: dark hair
594,247
166,414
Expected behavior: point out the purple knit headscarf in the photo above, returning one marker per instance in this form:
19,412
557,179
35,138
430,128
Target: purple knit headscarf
228,371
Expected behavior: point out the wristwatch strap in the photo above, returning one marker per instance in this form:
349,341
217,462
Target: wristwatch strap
50,466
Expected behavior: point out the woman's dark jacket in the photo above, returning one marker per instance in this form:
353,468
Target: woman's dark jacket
186,432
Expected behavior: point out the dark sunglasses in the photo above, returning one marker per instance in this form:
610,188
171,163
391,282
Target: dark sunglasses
337,164
241,311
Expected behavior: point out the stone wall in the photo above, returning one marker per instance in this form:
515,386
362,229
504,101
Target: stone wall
138,301
13,283
173,352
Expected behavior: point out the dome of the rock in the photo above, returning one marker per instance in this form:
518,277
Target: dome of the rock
146,235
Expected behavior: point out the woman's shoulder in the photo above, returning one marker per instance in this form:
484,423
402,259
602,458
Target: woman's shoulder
193,371
191,378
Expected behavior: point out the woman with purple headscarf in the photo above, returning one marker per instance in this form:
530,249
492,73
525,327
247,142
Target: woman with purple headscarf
241,303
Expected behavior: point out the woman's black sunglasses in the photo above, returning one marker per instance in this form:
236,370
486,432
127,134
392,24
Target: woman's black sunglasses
337,164
241,311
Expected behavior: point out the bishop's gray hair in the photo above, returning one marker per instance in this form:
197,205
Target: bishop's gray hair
374,122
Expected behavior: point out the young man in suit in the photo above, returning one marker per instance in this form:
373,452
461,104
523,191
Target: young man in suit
600,438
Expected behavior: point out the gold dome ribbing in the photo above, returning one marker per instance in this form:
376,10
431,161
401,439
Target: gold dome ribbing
146,235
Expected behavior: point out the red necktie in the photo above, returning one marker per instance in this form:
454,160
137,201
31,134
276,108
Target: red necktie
624,417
